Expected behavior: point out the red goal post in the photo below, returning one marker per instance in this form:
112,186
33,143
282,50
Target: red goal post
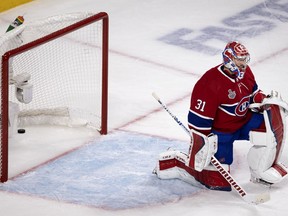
67,59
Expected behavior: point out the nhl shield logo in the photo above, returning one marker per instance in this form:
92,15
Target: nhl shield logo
231,94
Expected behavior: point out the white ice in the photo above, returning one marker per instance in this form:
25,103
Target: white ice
139,64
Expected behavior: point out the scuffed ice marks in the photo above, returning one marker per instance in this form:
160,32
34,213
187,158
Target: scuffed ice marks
114,172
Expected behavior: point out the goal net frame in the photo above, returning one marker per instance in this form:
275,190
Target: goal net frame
103,17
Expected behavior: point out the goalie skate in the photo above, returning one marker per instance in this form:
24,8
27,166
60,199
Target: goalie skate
260,182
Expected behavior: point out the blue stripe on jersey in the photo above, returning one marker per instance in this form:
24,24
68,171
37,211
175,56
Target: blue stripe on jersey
228,108
199,122
255,89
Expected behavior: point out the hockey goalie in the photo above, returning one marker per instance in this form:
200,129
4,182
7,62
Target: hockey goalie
227,105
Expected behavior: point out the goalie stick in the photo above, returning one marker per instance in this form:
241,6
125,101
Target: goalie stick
250,198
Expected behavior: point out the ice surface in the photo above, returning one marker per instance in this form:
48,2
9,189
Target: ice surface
112,174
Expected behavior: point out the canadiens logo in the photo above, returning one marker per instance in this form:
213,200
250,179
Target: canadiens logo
231,94
242,108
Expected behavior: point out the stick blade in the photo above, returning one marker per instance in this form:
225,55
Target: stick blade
257,198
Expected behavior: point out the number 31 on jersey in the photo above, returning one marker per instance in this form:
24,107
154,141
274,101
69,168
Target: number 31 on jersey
200,105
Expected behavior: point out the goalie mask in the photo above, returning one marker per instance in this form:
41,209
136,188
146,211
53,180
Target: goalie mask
235,58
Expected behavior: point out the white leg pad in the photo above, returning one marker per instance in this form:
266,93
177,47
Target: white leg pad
260,159
173,160
263,157
275,173
170,171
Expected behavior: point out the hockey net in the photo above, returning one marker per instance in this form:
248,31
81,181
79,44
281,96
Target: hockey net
67,59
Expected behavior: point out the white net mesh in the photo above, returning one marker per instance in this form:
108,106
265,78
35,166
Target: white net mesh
65,72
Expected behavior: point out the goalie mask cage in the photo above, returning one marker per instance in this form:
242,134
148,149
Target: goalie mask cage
67,58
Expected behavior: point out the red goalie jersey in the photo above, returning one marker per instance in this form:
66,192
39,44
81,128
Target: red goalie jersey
220,102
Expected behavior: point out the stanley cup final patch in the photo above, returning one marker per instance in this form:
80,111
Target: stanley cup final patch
231,94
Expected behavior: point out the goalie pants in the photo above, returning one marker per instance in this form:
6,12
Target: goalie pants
225,140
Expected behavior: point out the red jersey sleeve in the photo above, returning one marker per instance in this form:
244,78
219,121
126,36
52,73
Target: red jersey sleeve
204,103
